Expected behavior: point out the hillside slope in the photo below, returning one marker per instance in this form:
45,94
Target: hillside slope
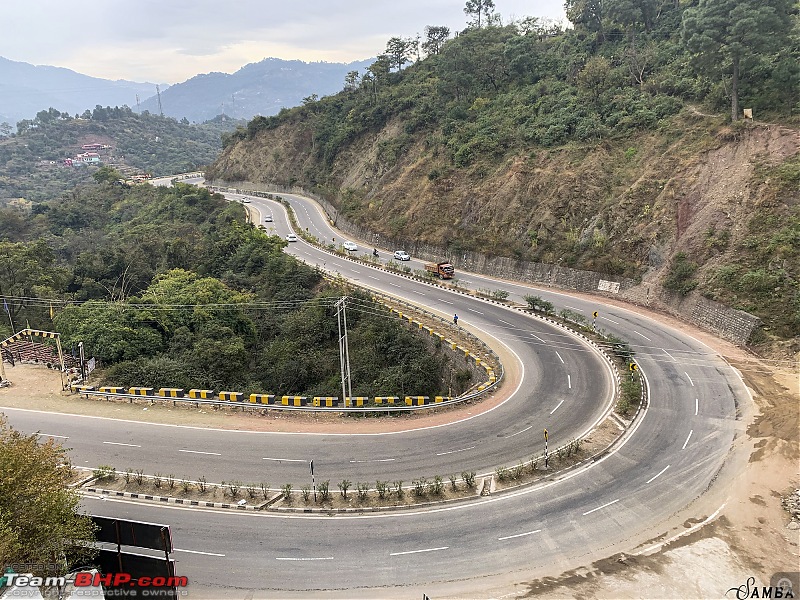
32,161
724,199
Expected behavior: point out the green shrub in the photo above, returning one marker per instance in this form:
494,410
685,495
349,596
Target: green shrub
469,478
105,473
286,490
536,303
679,278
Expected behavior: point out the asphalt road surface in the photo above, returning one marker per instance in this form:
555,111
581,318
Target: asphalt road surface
679,446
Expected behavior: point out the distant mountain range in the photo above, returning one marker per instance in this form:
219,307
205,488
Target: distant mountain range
27,89
257,88
261,88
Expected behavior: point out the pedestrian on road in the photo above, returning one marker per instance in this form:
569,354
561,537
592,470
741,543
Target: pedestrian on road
455,319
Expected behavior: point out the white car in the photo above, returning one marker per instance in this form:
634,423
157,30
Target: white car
291,238
401,255
268,219
351,246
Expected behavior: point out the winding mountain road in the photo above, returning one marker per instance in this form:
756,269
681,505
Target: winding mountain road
679,446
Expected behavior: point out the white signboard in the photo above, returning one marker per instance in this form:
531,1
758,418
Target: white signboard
608,286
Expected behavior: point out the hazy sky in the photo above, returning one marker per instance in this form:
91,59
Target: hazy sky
169,41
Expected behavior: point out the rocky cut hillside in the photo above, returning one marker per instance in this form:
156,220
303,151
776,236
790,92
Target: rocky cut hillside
551,148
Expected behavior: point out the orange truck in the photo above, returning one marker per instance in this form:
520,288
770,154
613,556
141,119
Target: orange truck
443,269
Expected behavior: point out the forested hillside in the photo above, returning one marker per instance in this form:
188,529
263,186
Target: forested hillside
32,160
170,287
616,146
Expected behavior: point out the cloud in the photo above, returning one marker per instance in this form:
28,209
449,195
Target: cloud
173,40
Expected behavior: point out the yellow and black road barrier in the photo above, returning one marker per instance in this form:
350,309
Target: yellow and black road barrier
293,400
326,401
140,391
386,399
261,398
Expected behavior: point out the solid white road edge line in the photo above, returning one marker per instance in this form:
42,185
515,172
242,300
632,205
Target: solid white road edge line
198,552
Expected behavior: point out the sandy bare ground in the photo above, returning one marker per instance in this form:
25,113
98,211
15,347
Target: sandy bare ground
735,531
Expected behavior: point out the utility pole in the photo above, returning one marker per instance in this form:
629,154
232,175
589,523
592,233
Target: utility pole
8,312
344,352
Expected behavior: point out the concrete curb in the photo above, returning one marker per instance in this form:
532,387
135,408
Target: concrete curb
265,506
169,499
